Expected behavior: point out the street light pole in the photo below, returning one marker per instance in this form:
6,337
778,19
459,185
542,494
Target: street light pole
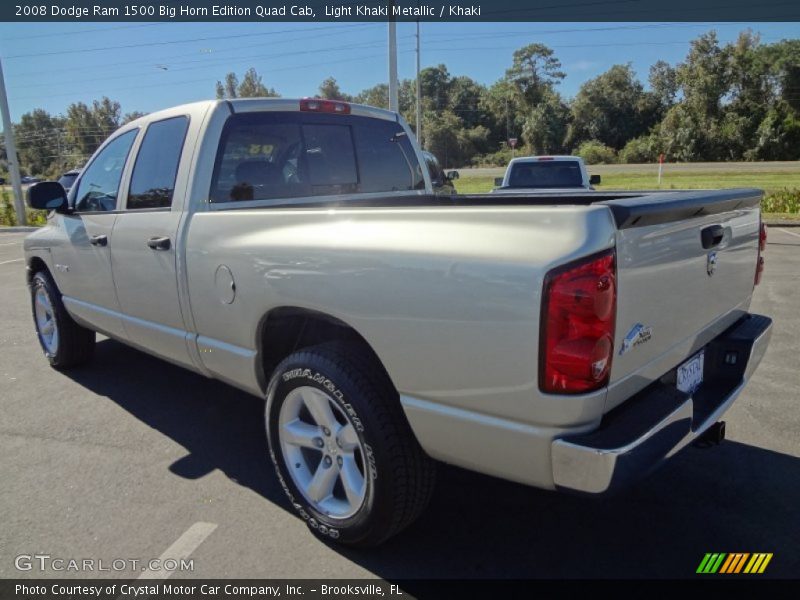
419,94
394,103
11,153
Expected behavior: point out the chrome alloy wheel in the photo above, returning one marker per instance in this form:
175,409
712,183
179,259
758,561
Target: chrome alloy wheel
46,325
322,452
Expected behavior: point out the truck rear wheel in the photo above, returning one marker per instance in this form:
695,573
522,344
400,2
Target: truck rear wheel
342,447
64,343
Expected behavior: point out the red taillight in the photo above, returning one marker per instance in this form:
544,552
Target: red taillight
578,314
762,245
324,106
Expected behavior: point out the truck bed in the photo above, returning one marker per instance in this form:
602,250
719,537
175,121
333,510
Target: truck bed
630,208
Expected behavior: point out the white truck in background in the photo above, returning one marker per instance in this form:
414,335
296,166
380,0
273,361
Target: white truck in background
545,174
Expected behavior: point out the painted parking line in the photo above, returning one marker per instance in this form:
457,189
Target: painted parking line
790,232
8,262
11,243
181,549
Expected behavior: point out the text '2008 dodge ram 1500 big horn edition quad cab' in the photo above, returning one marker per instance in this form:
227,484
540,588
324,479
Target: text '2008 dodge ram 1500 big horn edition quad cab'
294,249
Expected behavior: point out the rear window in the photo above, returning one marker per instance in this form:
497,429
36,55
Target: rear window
271,155
545,174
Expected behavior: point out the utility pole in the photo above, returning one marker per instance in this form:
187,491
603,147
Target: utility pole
11,153
394,103
419,94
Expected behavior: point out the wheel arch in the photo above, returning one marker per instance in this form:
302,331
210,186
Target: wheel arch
286,329
35,264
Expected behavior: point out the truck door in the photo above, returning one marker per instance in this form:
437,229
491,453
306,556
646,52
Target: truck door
83,265
144,245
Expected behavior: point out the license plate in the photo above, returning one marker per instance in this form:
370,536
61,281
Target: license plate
690,373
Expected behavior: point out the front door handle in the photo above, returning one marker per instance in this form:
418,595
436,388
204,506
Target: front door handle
712,236
99,240
159,243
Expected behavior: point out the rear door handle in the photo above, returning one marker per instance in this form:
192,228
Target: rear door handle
99,240
712,236
159,243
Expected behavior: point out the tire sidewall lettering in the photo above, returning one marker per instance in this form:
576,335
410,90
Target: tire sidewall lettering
294,377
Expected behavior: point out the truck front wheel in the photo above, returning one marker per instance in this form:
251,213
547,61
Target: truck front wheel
64,343
342,447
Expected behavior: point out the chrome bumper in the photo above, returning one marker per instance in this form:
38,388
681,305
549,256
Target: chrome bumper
646,430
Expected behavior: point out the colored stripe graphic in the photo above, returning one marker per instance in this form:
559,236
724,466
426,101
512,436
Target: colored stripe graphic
711,562
734,562
758,563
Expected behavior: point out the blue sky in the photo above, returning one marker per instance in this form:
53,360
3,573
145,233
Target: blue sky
152,66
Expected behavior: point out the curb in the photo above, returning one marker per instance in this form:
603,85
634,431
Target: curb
18,229
782,223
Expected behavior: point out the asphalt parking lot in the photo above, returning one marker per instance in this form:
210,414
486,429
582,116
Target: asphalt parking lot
122,458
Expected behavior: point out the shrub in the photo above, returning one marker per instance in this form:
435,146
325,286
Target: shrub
644,149
8,215
595,153
782,201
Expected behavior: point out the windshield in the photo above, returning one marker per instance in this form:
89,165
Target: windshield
545,174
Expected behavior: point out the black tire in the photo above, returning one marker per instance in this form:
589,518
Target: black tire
399,475
75,344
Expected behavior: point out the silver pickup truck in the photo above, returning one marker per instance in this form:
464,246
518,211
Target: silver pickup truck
295,249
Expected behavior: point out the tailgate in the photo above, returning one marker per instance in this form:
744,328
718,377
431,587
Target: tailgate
674,294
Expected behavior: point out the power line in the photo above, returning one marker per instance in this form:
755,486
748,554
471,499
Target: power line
168,58
205,79
210,63
169,42
78,31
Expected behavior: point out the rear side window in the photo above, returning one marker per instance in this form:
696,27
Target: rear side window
386,158
546,174
274,155
156,168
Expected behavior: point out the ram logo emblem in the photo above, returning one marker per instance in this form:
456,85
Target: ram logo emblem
638,335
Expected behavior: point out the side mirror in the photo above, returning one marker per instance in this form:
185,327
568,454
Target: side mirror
498,181
47,195
594,179
452,175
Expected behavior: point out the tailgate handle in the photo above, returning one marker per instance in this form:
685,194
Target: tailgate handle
712,236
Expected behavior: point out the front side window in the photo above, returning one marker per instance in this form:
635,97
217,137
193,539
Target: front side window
156,168
275,155
99,184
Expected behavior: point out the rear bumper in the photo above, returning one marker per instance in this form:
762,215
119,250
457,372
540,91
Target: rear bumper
642,433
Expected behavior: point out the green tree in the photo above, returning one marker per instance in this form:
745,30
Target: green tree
87,127
612,108
377,96
464,99
545,129
330,90
251,86
704,77
39,138
506,111
663,81
434,83
534,72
